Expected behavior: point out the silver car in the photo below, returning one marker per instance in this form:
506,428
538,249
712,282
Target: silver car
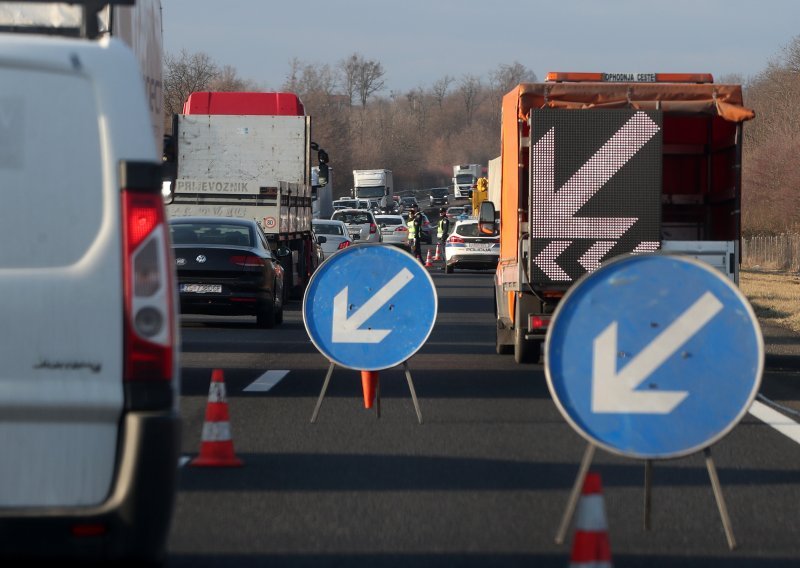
394,230
336,235
360,224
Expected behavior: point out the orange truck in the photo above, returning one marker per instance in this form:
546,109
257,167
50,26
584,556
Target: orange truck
596,165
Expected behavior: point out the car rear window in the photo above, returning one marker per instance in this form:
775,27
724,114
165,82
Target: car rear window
390,220
353,218
470,230
190,233
328,229
50,168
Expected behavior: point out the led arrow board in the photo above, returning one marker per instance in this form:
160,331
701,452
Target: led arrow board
370,307
595,189
654,356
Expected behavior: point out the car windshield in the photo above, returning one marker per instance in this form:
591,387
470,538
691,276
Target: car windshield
465,178
210,234
328,229
353,217
439,192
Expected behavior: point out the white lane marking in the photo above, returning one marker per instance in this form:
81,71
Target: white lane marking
183,460
266,381
780,422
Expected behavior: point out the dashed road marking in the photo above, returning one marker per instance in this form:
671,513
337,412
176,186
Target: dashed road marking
266,381
780,422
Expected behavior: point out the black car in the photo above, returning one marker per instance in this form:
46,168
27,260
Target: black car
439,196
225,267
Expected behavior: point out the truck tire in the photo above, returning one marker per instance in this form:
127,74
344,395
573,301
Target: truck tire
265,318
526,350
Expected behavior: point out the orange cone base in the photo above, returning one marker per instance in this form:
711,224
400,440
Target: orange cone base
369,383
216,454
428,261
438,255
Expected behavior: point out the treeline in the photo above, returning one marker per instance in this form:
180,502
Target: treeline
421,133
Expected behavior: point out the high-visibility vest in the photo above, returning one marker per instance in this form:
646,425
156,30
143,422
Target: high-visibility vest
440,231
412,234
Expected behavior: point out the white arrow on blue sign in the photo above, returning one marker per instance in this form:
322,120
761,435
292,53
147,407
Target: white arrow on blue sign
370,307
654,356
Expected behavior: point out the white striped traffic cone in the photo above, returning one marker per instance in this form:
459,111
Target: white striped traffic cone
438,255
591,549
216,446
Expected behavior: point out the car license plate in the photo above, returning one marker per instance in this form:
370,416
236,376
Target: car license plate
201,288
478,247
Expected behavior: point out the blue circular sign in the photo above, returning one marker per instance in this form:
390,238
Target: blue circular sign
370,307
654,356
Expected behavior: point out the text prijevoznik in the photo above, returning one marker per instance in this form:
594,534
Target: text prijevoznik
191,186
629,77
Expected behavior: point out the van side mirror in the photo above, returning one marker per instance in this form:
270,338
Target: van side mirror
323,174
486,222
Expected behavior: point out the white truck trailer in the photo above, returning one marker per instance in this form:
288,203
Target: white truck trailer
374,184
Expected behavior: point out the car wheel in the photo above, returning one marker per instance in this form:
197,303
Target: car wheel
448,268
265,318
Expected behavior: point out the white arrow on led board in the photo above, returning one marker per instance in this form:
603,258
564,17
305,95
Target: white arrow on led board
614,392
553,211
348,329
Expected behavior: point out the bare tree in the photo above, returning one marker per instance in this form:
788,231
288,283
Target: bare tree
506,77
470,90
440,88
185,74
228,79
362,78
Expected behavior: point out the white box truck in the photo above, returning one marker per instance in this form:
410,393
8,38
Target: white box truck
374,184
465,176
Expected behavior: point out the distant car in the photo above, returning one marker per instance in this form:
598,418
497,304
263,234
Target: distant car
409,202
439,196
393,230
336,235
466,247
347,203
225,267
360,224
397,207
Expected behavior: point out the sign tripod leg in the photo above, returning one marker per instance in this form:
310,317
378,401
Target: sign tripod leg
413,392
322,393
572,504
648,486
723,509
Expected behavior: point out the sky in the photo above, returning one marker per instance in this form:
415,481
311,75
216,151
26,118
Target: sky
418,42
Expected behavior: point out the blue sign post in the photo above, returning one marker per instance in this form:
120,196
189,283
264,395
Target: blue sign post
369,308
654,357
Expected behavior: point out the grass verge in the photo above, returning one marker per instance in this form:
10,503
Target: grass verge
775,296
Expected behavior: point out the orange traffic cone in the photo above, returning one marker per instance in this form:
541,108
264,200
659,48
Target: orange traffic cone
429,260
216,445
369,383
590,547
438,255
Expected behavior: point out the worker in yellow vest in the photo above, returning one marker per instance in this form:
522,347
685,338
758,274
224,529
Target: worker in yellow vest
479,195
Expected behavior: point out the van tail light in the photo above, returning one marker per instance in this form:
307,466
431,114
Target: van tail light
454,239
343,245
373,228
148,280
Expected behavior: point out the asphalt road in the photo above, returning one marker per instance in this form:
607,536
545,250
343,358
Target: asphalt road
482,482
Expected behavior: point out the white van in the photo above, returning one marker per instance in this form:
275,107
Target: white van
89,370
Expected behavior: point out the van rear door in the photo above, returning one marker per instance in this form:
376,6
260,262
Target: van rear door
61,391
